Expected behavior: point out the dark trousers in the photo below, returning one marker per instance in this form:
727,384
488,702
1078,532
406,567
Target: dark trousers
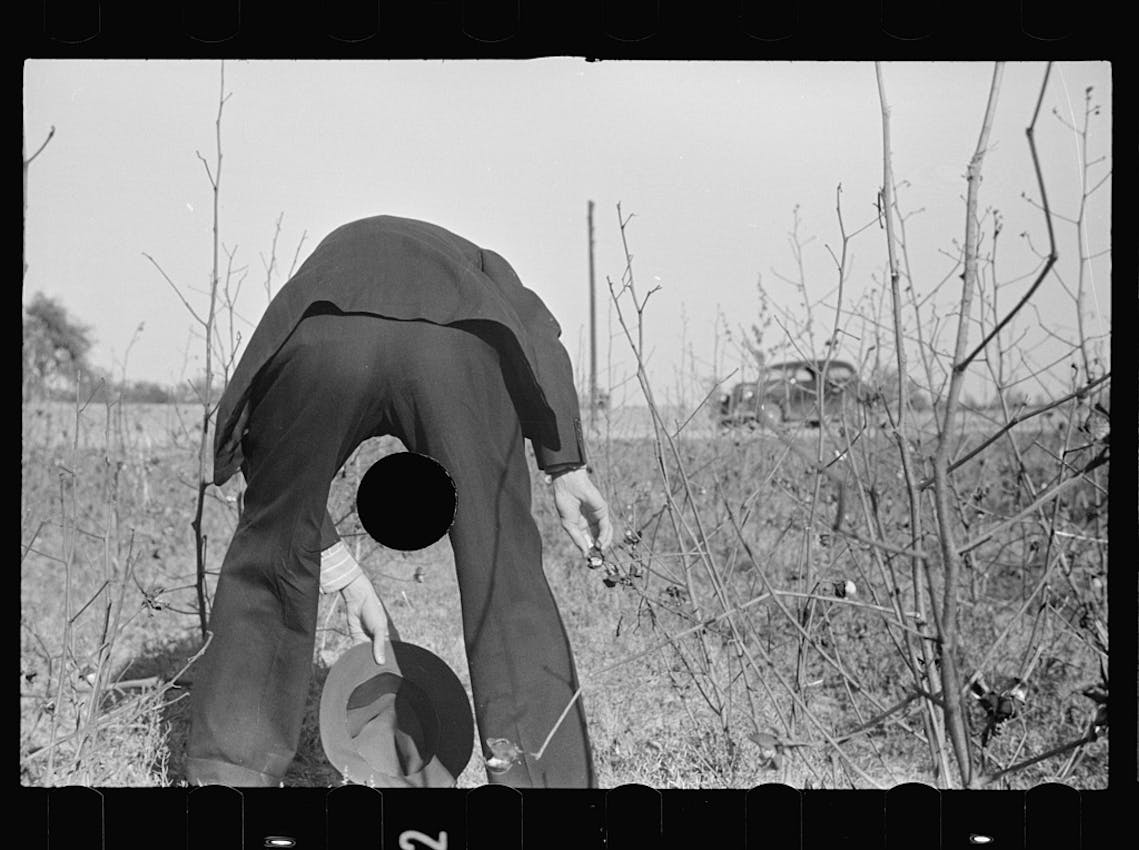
338,380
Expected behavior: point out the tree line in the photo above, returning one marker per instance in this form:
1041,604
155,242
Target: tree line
57,364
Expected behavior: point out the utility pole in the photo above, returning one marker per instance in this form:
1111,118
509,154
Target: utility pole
592,331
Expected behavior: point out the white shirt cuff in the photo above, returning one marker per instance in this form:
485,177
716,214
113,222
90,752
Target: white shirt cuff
338,568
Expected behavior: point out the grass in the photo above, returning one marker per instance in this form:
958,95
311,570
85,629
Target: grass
684,712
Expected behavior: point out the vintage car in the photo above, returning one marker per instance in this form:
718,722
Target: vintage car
788,392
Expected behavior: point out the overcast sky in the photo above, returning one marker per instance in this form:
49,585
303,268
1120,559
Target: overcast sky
711,158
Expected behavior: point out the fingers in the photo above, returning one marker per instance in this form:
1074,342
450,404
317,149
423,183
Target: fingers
584,513
375,622
368,621
605,531
578,534
355,627
602,527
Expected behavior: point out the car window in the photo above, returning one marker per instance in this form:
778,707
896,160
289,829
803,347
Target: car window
840,372
803,375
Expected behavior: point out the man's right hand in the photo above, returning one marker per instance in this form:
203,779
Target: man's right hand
367,619
584,512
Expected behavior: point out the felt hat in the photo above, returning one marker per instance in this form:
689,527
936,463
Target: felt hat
403,724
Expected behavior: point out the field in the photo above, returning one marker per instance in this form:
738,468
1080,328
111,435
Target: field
747,638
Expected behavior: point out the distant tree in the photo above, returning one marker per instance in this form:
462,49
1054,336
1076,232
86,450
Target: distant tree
193,390
885,382
96,385
146,392
1014,398
55,346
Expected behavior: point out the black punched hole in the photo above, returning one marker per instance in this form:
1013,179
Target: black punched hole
406,501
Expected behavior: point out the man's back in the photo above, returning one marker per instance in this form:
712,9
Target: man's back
401,268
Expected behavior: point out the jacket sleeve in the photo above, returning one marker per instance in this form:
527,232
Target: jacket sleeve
328,534
553,363
561,394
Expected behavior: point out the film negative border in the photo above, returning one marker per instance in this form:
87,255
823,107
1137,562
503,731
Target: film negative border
741,29
635,817
767,816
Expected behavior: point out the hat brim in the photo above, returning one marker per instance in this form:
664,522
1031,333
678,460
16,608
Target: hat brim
452,719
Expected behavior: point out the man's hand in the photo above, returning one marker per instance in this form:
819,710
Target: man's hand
367,619
584,513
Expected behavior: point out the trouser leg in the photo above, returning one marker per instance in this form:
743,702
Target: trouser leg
337,381
312,407
455,407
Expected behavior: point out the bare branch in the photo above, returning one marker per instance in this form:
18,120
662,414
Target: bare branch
177,291
272,259
950,555
1088,738
206,165
297,253
1032,202
961,365
1100,183
1017,420
39,150
1043,498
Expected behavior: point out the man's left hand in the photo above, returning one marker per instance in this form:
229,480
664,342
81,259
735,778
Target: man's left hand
583,511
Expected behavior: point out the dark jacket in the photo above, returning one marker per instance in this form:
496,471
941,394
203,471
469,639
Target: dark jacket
405,269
